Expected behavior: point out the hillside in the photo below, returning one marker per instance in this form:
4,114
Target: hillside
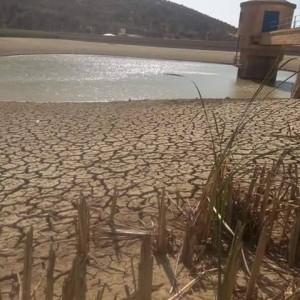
152,18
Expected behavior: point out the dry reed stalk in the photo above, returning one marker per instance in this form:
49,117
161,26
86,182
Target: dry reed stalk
228,229
268,183
17,288
80,279
249,195
295,190
185,289
133,275
100,294
259,255
68,288
127,291
161,244
145,270
113,205
112,217
190,285
286,220
297,183
28,262
265,201
199,220
50,272
262,243
189,244
82,226
294,242
83,238
294,296
266,230
259,190
229,201
75,284
233,263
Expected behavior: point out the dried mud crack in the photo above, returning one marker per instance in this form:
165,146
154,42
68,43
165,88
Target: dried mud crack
53,154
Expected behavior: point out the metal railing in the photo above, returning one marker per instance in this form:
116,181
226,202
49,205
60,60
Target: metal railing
285,23
296,22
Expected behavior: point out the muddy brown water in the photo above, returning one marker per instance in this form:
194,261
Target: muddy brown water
91,78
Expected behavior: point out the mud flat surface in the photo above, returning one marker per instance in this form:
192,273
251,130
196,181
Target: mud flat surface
53,154
27,46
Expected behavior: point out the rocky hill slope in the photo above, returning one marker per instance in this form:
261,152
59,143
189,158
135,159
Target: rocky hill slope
153,18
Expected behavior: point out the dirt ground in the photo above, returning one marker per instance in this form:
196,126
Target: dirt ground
23,46
53,154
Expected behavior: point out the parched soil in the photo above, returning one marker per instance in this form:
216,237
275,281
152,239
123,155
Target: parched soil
53,154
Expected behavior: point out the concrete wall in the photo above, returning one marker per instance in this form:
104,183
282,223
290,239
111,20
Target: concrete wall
281,37
256,61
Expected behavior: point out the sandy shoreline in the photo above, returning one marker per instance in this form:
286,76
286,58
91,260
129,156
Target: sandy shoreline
22,46
27,46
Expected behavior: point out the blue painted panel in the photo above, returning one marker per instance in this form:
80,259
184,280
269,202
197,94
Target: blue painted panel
271,21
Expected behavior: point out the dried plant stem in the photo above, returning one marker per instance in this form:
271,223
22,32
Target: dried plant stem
83,237
259,189
80,279
82,227
113,205
260,253
295,296
145,270
189,242
33,293
294,242
185,289
232,263
268,182
133,275
161,246
68,289
28,262
286,219
127,291
229,202
20,289
100,294
227,227
50,273
75,284
266,232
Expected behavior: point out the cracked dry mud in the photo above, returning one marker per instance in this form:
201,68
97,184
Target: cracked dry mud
52,154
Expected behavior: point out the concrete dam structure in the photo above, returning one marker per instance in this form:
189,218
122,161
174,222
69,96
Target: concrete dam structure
264,29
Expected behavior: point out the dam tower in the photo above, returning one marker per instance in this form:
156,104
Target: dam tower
257,17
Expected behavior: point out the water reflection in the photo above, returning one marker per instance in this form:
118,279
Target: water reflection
104,78
286,86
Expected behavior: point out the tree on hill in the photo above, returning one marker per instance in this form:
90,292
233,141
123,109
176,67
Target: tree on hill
153,18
